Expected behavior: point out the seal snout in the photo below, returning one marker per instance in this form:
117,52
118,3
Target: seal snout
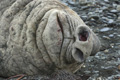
82,46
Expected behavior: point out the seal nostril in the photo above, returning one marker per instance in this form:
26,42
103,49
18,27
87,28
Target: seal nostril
78,55
83,36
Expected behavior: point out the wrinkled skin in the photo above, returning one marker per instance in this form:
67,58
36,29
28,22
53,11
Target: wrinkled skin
41,36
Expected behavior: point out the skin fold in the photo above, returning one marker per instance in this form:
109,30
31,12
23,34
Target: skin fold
41,36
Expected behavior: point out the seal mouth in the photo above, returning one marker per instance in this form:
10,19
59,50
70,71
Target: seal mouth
83,36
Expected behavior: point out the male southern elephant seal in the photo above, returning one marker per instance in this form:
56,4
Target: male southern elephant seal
41,36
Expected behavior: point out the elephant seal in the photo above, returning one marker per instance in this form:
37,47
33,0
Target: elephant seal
42,36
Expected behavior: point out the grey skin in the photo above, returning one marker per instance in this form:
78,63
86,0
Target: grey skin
41,36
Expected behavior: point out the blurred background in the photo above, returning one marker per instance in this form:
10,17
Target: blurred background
103,17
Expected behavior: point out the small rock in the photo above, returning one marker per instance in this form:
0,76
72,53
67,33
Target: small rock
99,78
93,15
113,11
111,35
105,19
104,8
118,67
112,45
100,11
84,66
96,17
117,77
110,21
106,37
119,46
118,8
83,2
84,17
105,29
87,72
106,0
114,5
106,51
85,7
119,18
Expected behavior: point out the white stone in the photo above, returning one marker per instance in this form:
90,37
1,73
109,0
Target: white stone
118,8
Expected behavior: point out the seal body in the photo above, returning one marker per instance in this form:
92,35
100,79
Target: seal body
40,36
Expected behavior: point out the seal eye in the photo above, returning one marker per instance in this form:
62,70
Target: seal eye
83,36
